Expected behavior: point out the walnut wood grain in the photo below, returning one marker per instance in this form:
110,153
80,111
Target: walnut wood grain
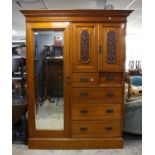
95,129
84,79
93,91
96,112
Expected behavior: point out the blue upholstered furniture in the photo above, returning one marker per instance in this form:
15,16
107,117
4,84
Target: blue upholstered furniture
136,80
133,110
133,117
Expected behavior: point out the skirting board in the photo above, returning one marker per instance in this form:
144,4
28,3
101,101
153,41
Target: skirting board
75,143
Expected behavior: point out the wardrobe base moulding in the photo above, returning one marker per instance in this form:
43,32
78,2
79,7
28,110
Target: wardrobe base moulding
75,143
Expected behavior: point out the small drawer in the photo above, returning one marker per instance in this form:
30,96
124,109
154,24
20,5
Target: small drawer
93,94
110,78
96,129
84,79
96,112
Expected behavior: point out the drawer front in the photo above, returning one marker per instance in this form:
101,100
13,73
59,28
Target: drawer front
96,112
110,78
92,94
84,79
93,129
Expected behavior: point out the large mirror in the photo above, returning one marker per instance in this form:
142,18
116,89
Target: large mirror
49,96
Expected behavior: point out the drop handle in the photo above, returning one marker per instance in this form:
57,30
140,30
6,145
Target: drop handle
110,94
109,111
83,129
84,93
108,128
83,111
84,80
109,77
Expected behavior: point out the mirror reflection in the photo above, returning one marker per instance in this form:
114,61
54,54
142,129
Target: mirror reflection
49,80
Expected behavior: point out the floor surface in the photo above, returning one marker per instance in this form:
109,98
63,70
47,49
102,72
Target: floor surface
132,146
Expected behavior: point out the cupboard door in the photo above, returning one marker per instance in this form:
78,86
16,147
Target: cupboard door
48,79
111,48
84,47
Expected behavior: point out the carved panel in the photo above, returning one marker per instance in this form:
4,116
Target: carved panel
84,53
111,47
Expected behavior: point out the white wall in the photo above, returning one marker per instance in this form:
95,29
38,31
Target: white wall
134,44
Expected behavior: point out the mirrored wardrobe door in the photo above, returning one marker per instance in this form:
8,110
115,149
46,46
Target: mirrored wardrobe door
48,79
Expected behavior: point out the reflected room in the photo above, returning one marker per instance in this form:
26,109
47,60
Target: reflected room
48,69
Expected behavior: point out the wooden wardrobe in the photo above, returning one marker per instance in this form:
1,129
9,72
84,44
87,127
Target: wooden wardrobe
93,77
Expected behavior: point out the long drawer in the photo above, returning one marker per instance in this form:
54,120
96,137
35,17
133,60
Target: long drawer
96,111
96,129
92,94
84,79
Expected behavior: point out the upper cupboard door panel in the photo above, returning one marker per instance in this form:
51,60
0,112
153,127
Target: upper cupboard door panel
84,47
112,47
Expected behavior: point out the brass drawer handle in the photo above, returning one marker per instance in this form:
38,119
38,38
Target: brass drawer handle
108,128
84,93
84,80
83,111
83,129
110,94
109,111
109,77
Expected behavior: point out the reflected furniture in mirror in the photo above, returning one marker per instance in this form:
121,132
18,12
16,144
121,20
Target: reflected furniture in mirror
54,71
49,79
75,72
